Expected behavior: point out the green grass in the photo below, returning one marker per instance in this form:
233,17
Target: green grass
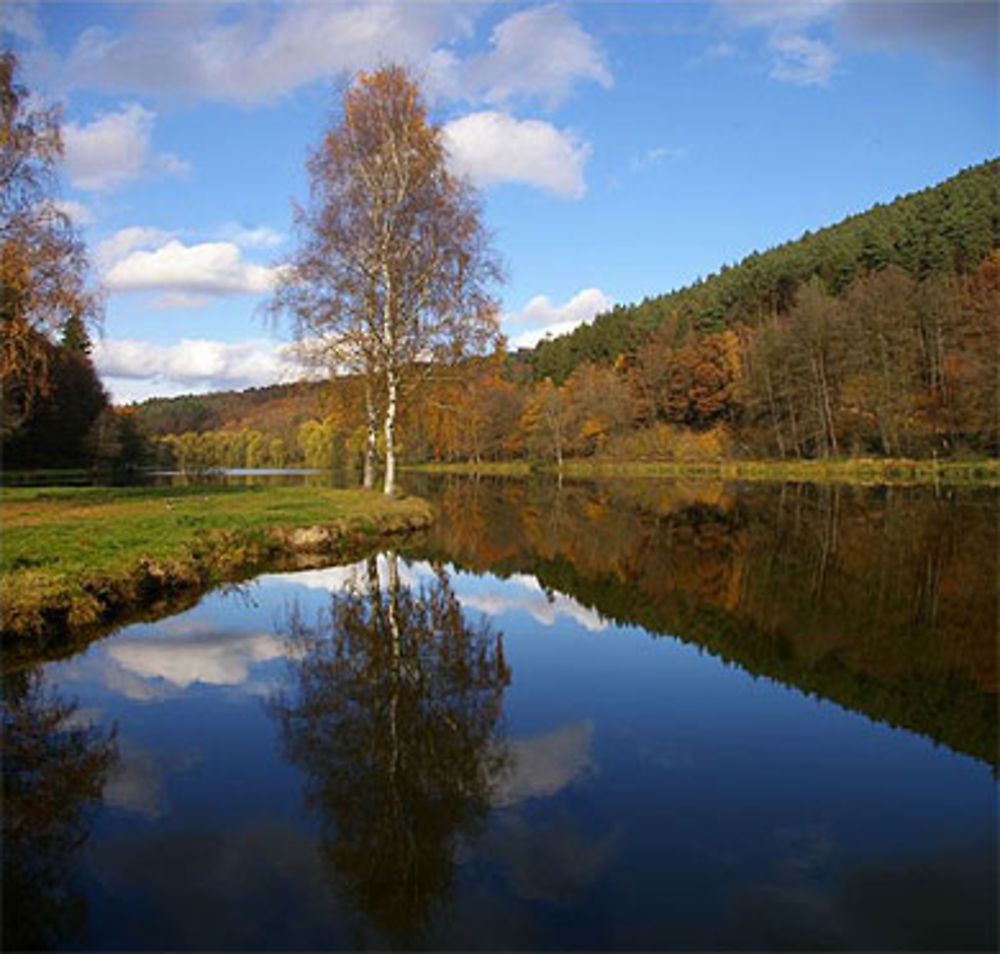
71,556
834,470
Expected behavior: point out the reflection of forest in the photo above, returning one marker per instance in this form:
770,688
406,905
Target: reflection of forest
54,770
881,599
393,714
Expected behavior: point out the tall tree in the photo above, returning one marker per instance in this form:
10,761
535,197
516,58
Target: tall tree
395,267
43,268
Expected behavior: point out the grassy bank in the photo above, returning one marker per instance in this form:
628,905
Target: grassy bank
76,557
839,470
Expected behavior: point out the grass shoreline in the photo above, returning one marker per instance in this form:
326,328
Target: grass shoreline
79,558
835,470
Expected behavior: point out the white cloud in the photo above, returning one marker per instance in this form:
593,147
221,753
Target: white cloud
492,147
540,52
252,54
76,212
543,319
134,370
260,236
114,249
796,56
962,31
255,53
801,60
209,268
114,149
772,15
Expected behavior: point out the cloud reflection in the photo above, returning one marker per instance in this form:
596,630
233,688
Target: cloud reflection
218,659
520,592
543,765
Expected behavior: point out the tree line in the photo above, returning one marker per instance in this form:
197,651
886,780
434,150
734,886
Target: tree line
894,366
877,336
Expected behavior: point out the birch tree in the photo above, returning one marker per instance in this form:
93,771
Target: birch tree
394,269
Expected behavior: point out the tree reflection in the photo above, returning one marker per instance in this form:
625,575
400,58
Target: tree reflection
883,600
394,717
54,770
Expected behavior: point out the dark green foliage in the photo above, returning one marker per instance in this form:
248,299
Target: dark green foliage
945,229
55,433
74,336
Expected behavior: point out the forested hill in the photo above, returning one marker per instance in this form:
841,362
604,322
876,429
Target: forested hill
945,229
274,410
876,336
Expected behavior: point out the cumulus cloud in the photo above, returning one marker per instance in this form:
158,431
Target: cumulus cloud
114,248
209,268
541,52
254,53
541,318
134,370
115,149
492,147
251,54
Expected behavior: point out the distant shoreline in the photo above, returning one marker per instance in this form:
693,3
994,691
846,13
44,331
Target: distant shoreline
984,471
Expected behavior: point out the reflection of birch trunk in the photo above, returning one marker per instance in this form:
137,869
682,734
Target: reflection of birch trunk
395,652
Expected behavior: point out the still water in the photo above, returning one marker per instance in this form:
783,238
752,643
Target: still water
648,716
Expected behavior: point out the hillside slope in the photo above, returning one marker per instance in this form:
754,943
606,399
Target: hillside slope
944,229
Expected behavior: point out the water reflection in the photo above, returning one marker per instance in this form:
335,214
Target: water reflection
393,714
884,600
55,765
351,756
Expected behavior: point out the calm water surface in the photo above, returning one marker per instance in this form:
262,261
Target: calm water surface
639,717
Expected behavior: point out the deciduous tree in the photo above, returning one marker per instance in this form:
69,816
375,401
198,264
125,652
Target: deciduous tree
43,268
394,268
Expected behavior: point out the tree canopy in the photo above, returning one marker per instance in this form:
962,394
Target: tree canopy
394,267
43,266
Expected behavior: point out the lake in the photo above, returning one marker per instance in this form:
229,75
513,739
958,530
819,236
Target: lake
648,715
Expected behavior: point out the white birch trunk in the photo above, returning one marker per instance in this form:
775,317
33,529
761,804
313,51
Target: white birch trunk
390,430
372,438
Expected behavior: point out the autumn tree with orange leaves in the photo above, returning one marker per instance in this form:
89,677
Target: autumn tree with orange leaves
43,267
394,268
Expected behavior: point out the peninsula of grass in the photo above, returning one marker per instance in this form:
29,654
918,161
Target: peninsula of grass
864,470
80,557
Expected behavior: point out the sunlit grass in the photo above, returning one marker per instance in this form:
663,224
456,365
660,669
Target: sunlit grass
63,546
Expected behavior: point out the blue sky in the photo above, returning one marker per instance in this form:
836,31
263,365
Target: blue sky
622,149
